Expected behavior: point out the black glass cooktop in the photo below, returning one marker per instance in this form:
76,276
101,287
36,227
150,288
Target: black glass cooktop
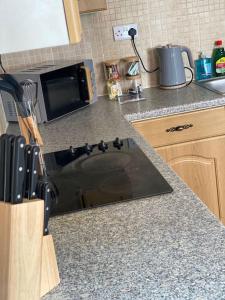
101,174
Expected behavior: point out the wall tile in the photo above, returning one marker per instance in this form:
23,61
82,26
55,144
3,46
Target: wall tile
193,23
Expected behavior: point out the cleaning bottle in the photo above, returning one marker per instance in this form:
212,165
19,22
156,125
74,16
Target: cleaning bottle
218,59
203,67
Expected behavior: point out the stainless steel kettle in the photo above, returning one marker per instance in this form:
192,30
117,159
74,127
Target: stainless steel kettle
171,66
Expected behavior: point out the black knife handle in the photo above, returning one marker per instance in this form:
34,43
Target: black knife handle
18,170
46,196
27,155
34,164
8,166
2,165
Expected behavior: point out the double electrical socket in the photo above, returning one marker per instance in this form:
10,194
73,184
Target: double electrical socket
121,32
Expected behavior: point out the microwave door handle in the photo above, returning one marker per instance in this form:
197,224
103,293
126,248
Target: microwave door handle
89,83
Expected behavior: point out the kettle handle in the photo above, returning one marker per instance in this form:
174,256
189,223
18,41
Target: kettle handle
189,54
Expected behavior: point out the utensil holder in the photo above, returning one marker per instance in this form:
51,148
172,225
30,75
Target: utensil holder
28,266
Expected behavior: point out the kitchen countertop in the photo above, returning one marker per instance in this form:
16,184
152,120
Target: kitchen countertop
166,102
164,247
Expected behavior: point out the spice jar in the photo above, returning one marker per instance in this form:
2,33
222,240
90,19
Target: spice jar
113,77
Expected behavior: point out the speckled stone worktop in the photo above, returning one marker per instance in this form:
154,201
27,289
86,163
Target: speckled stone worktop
166,102
164,247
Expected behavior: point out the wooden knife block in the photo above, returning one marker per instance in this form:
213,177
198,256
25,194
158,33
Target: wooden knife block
28,266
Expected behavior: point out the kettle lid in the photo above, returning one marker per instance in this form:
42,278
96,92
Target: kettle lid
168,46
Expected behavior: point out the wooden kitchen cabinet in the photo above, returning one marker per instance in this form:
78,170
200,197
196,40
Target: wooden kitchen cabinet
27,25
87,6
195,153
199,124
201,164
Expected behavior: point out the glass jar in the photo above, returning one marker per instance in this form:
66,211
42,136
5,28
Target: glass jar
114,89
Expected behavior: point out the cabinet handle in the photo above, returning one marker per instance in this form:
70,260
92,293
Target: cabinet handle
179,128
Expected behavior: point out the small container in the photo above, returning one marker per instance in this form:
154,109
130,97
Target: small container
114,89
218,58
133,66
112,70
113,77
203,67
133,75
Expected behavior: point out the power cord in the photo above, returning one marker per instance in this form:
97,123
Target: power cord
132,32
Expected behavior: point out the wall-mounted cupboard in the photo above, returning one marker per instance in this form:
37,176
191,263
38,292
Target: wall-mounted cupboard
88,6
27,24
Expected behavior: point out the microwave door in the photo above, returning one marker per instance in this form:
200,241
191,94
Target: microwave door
62,96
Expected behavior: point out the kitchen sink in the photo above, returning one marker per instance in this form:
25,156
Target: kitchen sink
214,84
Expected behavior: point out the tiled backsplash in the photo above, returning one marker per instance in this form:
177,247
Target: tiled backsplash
193,23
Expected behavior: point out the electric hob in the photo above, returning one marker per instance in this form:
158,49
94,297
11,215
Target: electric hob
100,174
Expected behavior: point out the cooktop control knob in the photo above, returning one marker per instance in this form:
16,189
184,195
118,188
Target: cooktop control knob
88,149
102,146
117,143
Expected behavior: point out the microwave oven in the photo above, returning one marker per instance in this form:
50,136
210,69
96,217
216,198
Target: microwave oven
62,88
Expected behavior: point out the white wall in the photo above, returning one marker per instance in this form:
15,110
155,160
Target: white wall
27,24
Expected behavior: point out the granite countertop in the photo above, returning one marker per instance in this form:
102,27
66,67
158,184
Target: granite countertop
166,102
164,247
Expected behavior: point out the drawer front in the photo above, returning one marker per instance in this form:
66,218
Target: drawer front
182,128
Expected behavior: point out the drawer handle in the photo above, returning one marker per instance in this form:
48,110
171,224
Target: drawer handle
179,128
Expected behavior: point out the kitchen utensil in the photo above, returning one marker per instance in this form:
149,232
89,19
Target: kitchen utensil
32,164
17,87
11,86
8,166
171,66
47,200
27,118
26,121
2,165
36,158
8,87
44,192
30,95
33,171
18,170
27,156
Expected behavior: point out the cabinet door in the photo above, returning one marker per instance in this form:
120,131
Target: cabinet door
201,164
87,6
27,24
